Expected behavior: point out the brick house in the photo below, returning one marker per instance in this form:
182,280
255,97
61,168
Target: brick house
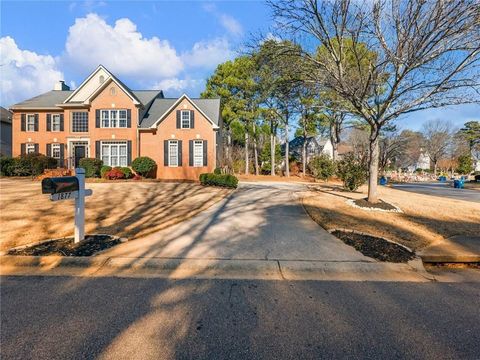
105,119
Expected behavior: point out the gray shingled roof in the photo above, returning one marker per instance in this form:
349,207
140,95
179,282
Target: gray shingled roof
46,100
6,116
211,107
53,97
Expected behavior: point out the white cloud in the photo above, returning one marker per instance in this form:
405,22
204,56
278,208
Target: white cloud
176,84
208,54
24,73
230,24
121,48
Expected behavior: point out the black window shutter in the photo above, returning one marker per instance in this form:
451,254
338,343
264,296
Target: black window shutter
62,154
129,118
129,152
165,152
180,152
36,148
179,123
36,122
61,122
97,149
192,119
97,118
49,122
190,152
87,121
205,152
49,150
23,147
23,122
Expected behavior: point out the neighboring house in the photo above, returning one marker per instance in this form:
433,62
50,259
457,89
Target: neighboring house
423,162
316,145
105,119
6,132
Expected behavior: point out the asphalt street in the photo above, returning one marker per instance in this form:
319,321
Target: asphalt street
441,190
138,318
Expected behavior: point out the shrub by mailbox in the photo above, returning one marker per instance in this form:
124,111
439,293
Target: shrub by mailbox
59,185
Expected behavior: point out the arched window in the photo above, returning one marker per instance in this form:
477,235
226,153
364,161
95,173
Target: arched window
101,79
112,91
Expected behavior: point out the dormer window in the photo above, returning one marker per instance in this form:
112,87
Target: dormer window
186,123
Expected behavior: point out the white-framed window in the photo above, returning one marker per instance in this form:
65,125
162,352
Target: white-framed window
55,151
173,153
30,148
114,118
114,153
185,117
30,122
79,121
56,122
198,153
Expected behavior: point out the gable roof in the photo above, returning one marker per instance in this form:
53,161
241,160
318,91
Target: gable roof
210,108
112,77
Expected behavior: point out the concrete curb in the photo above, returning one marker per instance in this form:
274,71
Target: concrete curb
174,268
444,258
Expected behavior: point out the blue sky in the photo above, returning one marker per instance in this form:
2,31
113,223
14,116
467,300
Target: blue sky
170,45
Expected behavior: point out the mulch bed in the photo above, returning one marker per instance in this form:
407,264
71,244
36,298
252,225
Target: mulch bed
382,205
66,247
374,247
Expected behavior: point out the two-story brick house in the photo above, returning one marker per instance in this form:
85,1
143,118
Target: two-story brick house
105,119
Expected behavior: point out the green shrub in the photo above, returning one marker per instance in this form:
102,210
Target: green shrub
7,166
127,172
352,171
92,167
211,179
144,166
33,164
217,171
104,169
322,167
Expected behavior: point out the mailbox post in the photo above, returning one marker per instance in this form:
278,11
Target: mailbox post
80,206
70,187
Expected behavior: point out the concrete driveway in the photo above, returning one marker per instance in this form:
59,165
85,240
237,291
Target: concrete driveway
440,190
259,221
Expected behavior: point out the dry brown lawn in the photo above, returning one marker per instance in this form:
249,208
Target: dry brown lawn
126,209
425,219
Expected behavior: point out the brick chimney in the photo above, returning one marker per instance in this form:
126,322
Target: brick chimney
60,85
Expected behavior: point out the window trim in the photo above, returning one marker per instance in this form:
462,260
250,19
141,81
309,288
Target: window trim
28,117
52,151
189,119
117,119
71,119
171,142
52,127
29,146
201,143
118,156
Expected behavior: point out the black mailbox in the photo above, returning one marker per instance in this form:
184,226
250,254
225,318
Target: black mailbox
59,185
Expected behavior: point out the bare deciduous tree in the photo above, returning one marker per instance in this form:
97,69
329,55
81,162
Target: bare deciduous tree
426,55
438,135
